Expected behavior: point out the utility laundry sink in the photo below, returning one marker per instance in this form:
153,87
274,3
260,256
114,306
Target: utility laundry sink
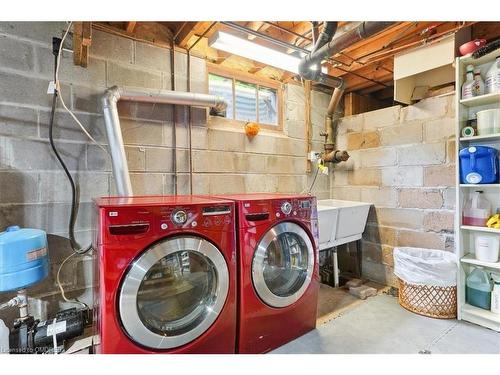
340,221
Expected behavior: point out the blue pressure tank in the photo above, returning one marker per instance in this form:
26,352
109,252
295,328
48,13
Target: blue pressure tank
24,259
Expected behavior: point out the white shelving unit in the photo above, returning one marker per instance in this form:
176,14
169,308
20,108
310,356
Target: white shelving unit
464,234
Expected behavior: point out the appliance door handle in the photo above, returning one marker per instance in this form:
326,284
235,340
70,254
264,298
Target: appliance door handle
257,217
125,229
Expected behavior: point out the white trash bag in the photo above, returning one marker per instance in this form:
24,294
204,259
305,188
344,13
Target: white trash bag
425,266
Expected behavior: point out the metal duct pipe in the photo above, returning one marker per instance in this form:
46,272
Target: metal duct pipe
329,30
362,31
323,50
113,129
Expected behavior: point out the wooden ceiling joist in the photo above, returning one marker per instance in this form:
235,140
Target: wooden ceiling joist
186,31
254,25
82,38
366,66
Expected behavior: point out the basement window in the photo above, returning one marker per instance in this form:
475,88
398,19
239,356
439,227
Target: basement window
249,100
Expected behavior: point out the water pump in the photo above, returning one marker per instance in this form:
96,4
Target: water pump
24,262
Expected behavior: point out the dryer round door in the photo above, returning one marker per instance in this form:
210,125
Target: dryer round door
283,265
173,292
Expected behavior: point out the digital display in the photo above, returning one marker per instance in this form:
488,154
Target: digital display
216,210
305,204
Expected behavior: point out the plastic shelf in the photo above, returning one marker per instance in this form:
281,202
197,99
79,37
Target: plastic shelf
480,229
481,100
470,259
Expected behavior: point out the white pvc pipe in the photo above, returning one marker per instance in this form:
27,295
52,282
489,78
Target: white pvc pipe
113,129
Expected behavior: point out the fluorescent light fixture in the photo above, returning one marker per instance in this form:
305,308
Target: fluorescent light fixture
253,51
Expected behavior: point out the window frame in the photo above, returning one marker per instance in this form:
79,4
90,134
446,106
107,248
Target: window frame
234,76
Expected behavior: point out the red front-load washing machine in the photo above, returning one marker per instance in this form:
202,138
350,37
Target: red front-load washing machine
278,269
166,275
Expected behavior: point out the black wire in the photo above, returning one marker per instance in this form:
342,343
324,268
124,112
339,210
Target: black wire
75,246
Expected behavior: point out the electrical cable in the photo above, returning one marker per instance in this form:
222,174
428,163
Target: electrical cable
58,281
59,89
314,181
74,191
308,191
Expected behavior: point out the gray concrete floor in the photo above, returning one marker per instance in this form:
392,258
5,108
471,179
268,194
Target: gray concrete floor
380,325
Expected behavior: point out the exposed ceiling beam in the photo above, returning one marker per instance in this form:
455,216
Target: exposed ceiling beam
257,67
222,56
254,25
185,32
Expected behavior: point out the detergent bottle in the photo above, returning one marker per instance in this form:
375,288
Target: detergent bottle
478,289
477,210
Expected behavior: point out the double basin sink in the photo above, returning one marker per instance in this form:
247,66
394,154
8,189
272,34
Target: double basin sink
340,221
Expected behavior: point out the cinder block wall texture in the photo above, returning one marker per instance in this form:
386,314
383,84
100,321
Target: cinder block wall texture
33,189
402,161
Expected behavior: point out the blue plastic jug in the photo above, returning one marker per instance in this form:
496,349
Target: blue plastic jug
24,259
478,165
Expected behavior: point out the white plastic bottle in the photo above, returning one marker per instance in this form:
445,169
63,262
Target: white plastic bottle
493,77
4,338
495,297
467,87
478,86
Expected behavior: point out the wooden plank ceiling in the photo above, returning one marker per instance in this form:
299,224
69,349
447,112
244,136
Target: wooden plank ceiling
366,66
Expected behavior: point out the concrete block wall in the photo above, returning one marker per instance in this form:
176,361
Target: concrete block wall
402,161
33,189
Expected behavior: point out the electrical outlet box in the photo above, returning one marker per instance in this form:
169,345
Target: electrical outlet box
313,156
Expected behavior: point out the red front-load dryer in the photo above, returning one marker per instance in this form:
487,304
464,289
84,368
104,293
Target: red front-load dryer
166,275
278,269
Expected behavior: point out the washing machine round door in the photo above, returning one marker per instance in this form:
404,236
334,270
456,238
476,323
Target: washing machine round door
173,292
283,265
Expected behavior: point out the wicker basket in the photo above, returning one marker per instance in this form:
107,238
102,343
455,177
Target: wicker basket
433,301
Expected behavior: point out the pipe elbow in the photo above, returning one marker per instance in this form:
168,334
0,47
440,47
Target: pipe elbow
305,70
110,97
220,104
336,156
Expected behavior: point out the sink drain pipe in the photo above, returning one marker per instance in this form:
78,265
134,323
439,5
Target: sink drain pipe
309,69
113,129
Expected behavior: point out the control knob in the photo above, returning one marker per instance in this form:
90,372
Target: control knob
179,217
286,208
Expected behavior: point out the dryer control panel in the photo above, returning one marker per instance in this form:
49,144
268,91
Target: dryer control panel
136,222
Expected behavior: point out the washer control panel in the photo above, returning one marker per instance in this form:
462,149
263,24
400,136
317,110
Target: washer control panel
258,211
297,207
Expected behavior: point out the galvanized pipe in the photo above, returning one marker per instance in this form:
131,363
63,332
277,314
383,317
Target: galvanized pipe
112,122
362,31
